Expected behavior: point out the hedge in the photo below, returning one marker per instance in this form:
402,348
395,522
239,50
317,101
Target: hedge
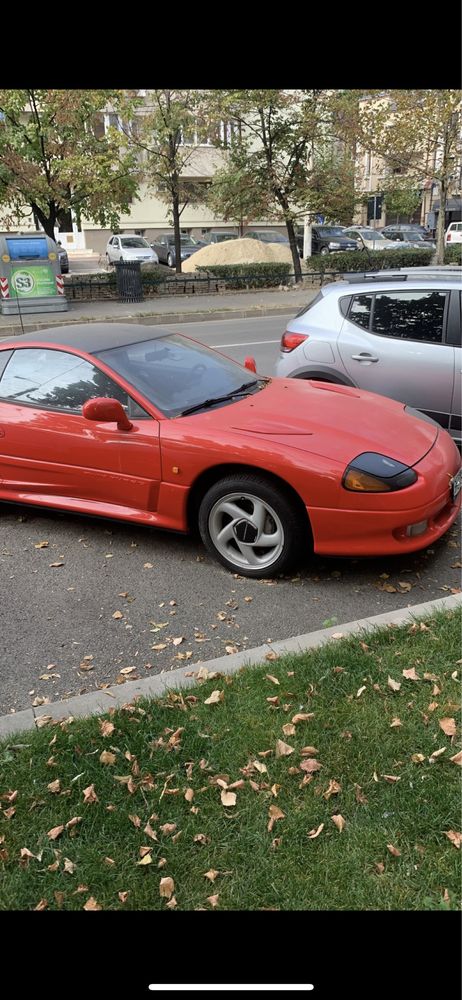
378,260
259,275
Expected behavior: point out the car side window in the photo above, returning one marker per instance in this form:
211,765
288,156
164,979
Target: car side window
115,242
55,380
360,310
410,315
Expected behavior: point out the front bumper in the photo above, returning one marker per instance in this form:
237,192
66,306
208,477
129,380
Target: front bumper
364,531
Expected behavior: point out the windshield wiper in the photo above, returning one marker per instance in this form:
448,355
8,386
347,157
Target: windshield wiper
242,390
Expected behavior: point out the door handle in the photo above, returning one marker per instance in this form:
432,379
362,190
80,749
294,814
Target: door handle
364,357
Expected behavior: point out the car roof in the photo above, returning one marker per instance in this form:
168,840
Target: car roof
438,279
91,337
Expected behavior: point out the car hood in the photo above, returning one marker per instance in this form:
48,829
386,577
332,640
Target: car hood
343,240
335,421
382,244
140,252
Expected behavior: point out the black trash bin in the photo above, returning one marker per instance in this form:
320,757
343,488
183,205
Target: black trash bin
129,285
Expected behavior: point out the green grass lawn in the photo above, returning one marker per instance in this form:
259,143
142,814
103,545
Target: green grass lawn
151,784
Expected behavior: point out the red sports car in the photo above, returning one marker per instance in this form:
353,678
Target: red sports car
136,423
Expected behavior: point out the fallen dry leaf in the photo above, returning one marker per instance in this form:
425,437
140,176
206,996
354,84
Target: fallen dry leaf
391,778
315,833
289,729
168,828
42,905
457,759
411,674
213,900
360,691
145,860
270,677
55,832
394,685
380,867
150,832
106,728
117,614
310,765
436,754
302,717
69,866
359,796
333,789
211,874
201,838
394,850
89,794
54,786
228,798
418,758
274,814
214,698
166,887
123,896
283,749
339,821
189,794
454,837
448,726
91,904
395,723
106,757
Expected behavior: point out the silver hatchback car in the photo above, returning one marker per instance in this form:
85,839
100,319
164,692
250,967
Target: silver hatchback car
394,333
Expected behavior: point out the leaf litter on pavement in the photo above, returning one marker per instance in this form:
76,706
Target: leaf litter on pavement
200,785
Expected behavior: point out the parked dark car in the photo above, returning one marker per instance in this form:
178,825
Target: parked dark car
266,236
63,259
411,238
329,239
164,247
405,227
220,236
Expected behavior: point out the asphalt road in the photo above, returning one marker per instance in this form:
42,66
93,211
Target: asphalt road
117,590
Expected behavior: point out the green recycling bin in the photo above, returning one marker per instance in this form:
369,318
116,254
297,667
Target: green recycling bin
30,275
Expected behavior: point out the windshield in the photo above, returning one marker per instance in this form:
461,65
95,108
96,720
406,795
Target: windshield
272,238
330,231
370,234
134,243
175,373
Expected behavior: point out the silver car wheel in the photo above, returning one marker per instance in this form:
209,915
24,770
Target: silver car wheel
246,530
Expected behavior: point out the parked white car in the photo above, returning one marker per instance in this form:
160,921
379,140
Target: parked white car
369,239
453,234
130,248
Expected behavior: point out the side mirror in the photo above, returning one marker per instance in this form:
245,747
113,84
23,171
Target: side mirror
107,411
251,364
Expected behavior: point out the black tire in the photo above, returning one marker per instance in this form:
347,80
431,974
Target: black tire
169,260
324,251
281,521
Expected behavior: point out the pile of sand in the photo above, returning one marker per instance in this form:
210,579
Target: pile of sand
239,252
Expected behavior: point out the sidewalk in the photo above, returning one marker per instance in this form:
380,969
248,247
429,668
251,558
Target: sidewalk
167,309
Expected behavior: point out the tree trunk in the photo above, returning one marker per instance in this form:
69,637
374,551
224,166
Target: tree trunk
176,230
440,228
47,221
294,249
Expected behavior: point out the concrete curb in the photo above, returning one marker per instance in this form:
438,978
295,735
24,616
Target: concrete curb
98,702
155,319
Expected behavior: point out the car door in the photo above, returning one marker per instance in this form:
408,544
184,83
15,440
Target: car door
454,337
49,452
115,251
394,342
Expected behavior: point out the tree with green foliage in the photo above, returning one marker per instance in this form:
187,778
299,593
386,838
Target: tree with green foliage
56,156
285,159
417,133
167,133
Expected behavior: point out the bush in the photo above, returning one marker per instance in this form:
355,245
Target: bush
368,260
249,275
453,255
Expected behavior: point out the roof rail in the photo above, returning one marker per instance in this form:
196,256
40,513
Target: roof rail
404,274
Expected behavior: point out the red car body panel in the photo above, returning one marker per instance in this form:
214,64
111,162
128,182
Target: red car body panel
303,433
